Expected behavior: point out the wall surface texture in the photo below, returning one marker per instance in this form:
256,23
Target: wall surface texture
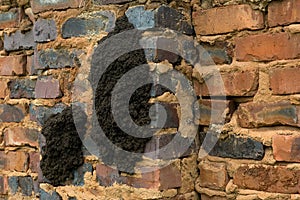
246,106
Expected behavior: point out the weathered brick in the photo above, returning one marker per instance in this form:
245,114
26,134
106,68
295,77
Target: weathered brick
140,18
79,174
13,183
53,59
26,185
44,30
267,47
12,65
214,197
286,148
9,19
10,113
106,2
243,82
285,80
19,41
18,136
213,175
4,88
94,24
169,177
219,52
188,196
238,17
11,161
214,111
106,176
168,43
148,180
52,195
47,88
232,147
41,5
251,115
3,185
279,179
167,17
172,120
22,88
41,113
30,68
283,12
34,162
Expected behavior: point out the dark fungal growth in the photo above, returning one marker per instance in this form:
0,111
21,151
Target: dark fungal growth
62,153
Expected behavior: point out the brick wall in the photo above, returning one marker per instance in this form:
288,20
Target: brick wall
253,119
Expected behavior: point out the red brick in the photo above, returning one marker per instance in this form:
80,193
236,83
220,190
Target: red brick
3,185
268,47
267,178
286,148
12,113
19,136
283,12
14,161
285,80
227,19
10,19
235,83
170,177
47,88
251,115
220,113
12,65
106,176
34,162
4,88
213,175
165,178
40,6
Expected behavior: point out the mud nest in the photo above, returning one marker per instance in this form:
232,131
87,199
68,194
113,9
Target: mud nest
62,153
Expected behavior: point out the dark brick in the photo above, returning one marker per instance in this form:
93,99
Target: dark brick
13,183
167,17
106,2
26,185
252,115
9,19
232,147
79,174
173,150
47,87
10,113
54,59
41,113
19,41
44,30
94,24
172,120
41,5
3,185
49,195
220,52
22,88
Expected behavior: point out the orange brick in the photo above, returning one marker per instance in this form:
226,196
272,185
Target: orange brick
227,19
283,12
267,47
